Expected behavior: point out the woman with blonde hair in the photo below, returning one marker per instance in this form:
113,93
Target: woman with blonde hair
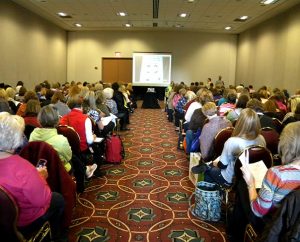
246,133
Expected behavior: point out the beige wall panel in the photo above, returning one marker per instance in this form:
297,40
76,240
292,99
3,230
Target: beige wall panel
32,49
269,54
196,56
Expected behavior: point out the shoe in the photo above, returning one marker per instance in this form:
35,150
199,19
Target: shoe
177,129
90,170
201,168
99,173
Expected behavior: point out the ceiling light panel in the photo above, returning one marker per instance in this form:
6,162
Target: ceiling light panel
267,2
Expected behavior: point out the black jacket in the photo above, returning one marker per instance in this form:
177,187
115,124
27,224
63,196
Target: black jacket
285,225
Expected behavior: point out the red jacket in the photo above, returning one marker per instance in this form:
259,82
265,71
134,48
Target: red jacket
76,119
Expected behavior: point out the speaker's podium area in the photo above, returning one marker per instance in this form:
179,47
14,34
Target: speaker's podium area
150,99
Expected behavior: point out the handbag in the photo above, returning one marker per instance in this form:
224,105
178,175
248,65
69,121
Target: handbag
207,201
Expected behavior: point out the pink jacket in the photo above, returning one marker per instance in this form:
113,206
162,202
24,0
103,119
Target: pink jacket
30,191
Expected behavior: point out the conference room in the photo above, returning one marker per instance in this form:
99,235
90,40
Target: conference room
107,55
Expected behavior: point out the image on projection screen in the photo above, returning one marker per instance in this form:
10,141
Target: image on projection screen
151,69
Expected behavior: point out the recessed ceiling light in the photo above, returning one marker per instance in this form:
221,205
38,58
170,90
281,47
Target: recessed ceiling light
128,25
122,14
266,2
244,17
78,25
228,28
183,15
178,25
190,1
62,14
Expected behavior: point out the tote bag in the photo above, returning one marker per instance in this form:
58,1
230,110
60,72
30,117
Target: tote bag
207,201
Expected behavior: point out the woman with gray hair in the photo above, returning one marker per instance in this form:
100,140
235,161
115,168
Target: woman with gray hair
27,184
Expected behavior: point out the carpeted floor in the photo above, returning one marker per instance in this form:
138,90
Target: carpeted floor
146,198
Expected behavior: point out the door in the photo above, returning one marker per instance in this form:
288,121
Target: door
117,70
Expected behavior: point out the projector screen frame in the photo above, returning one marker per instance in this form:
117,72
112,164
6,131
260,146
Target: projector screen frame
161,67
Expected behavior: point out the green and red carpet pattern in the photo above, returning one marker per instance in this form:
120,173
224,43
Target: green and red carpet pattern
146,198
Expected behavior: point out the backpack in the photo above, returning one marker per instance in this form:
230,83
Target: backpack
114,152
195,146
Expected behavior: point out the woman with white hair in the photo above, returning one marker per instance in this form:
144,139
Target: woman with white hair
26,183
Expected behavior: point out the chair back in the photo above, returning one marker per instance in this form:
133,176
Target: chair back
278,124
221,137
256,153
8,217
72,136
272,139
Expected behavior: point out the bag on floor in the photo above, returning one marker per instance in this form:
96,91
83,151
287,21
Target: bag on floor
114,151
207,201
180,141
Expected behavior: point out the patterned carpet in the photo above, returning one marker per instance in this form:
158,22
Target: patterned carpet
146,198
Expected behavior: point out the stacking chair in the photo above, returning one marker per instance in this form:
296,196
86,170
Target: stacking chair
9,213
256,153
72,136
58,178
272,140
78,160
220,140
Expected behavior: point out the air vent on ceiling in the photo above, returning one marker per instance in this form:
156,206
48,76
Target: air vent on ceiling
155,8
240,20
67,16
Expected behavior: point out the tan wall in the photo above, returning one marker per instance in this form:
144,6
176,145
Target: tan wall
196,56
31,48
269,54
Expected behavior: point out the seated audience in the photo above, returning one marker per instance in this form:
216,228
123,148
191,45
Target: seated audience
292,116
58,101
121,105
4,105
27,184
229,105
32,110
210,129
278,182
246,133
178,109
97,116
234,114
14,104
28,95
265,120
49,119
82,125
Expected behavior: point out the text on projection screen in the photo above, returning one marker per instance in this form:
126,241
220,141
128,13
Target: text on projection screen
151,69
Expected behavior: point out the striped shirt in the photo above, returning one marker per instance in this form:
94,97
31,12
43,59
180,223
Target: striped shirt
277,184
